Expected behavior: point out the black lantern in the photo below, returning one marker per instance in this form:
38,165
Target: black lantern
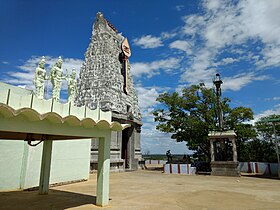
217,82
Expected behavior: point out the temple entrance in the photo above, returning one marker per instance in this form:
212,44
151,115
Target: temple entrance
223,150
124,154
127,153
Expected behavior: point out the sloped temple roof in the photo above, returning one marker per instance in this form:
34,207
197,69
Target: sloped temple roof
25,117
81,121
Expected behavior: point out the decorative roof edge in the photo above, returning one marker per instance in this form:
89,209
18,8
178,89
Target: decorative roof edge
32,115
29,106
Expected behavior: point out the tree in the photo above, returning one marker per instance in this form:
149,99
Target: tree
263,149
189,117
258,151
265,127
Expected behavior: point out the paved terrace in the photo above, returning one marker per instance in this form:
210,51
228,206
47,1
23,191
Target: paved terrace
155,190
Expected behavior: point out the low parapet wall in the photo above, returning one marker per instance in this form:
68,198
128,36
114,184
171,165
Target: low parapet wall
155,162
259,168
179,169
270,169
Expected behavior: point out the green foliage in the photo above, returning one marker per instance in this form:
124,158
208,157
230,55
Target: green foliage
263,149
258,151
264,127
191,116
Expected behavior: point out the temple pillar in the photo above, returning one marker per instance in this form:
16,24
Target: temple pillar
102,189
212,152
45,167
234,150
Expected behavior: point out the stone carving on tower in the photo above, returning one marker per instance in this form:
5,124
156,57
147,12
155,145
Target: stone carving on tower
105,82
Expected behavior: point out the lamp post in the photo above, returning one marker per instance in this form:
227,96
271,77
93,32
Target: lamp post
217,82
277,147
274,121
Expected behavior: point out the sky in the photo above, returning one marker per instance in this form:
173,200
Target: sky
174,44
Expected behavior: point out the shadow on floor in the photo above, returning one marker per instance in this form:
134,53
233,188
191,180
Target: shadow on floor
56,199
156,168
261,176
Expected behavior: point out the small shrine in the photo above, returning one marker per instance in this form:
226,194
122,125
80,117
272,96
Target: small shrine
222,142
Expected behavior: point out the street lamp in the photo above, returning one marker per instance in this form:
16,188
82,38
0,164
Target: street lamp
274,121
217,82
277,145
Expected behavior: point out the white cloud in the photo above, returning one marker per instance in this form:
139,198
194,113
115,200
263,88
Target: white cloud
158,143
5,62
148,41
147,100
238,81
193,24
226,61
261,19
168,35
153,68
212,5
199,70
179,7
147,97
276,98
237,23
226,27
182,45
271,55
266,113
151,139
229,60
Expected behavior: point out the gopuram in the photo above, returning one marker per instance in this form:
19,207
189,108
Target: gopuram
105,83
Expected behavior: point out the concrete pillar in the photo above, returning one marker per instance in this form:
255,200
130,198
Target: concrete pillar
24,165
102,190
45,167
234,150
212,150
130,151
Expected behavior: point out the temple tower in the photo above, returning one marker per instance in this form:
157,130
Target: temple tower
105,82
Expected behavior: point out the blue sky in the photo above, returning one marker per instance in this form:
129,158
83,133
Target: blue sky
174,44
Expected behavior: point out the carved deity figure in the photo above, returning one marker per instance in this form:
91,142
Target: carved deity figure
39,78
56,77
72,86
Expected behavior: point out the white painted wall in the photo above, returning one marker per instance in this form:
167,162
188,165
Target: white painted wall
10,164
20,164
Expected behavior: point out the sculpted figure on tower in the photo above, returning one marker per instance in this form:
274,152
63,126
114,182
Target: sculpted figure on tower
72,86
40,78
56,77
